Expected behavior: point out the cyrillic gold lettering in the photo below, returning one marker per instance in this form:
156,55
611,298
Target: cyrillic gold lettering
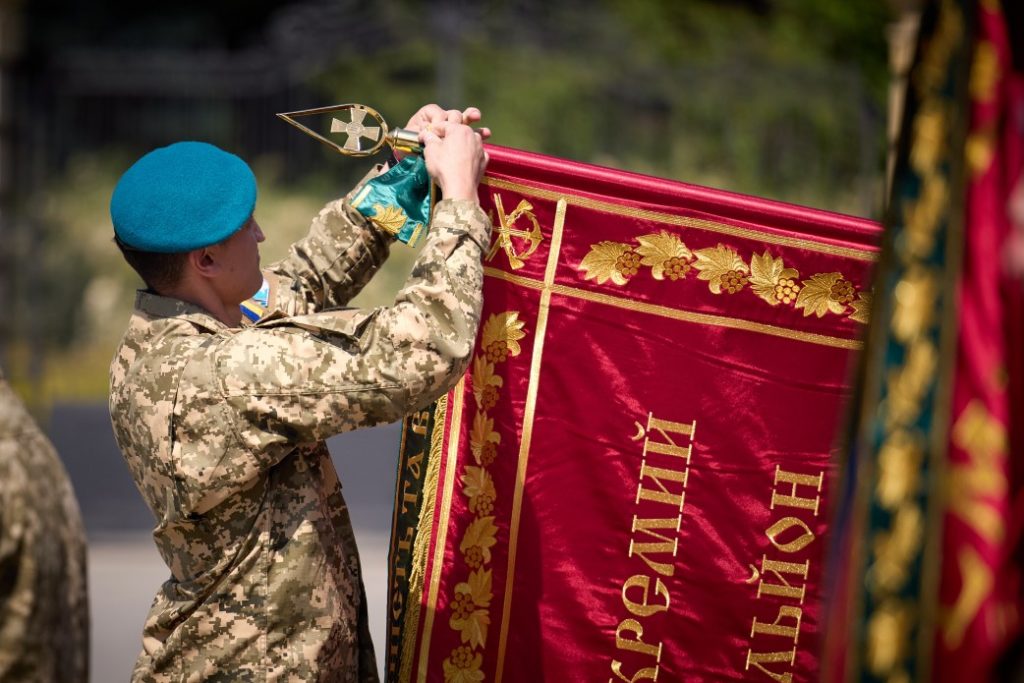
667,545
413,465
662,495
798,543
795,480
408,497
665,426
650,672
637,644
667,449
644,608
784,589
406,542
418,421
758,659
776,629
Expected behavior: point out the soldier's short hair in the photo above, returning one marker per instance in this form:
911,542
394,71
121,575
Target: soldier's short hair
159,271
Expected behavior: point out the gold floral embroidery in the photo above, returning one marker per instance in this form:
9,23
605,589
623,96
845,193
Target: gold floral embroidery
479,488
723,269
470,605
895,549
485,383
610,261
726,272
476,545
463,666
922,218
899,463
665,254
501,335
914,302
888,638
483,440
771,280
825,293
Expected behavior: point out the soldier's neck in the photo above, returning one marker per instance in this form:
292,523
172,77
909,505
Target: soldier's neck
204,296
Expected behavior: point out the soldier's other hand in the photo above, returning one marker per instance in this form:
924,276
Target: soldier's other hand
455,158
432,115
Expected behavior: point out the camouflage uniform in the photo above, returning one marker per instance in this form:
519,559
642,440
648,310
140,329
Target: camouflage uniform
44,608
223,430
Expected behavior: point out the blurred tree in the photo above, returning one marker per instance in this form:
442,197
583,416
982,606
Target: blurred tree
777,98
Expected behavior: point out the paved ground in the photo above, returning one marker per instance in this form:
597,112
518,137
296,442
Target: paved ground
124,568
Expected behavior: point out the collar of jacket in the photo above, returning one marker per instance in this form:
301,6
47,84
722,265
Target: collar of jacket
156,306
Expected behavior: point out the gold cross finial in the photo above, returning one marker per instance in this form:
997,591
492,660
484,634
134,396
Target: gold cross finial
355,129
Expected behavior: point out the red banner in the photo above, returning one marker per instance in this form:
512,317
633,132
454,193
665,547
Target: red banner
633,480
931,538
980,584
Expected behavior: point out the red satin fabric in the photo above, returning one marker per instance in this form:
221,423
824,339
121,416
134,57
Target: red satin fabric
980,587
598,365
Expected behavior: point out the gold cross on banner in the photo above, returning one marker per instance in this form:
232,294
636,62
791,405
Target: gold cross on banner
355,129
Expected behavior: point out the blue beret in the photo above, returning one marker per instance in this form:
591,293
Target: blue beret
182,197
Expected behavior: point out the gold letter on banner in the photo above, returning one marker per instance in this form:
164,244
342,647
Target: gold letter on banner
644,608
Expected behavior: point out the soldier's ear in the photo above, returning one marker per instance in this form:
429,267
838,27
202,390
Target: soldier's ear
204,261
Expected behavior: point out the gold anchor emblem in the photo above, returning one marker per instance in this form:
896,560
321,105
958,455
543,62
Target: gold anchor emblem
507,230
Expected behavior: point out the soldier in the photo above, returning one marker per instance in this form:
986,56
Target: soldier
44,608
222,422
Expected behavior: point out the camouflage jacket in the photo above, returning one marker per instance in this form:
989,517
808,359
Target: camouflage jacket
44,608
223,430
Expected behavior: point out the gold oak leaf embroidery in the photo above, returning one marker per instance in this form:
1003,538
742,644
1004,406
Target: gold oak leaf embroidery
771,280
503,330
480,536
602,262
861,308
463,666
469,608
819,295
722,268
390,219
479,488
483,439
664,252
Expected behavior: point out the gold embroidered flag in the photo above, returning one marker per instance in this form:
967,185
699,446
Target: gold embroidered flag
932,540
632,482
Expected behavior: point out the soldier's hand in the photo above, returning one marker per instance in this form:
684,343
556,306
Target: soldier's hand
432,115
455,158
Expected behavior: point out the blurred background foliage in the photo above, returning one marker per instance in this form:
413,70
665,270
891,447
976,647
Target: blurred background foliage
783,99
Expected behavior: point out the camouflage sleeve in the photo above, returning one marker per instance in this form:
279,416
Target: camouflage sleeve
297,380
44,605
333,262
